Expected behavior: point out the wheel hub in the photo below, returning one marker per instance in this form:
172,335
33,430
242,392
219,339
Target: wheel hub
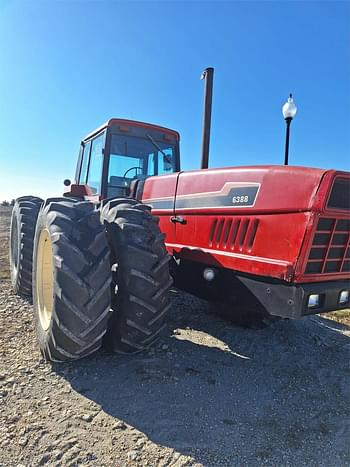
44,278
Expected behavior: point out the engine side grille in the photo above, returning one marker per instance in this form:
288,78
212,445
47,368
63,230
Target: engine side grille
236,233
330,250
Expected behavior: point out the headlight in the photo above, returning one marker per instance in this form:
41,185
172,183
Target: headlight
314,301
343,297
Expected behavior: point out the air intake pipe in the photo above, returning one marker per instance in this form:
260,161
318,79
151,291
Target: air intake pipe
207,75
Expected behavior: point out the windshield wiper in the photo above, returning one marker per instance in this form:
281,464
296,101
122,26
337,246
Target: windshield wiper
166,157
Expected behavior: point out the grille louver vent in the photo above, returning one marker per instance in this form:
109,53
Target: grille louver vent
329,252
233,233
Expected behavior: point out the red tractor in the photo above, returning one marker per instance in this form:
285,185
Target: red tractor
272,240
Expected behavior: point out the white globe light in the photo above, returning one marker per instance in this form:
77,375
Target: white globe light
289,109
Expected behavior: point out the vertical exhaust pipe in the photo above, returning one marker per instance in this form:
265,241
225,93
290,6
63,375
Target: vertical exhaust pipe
207,75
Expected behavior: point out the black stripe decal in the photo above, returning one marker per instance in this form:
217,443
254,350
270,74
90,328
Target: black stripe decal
161,204
238,196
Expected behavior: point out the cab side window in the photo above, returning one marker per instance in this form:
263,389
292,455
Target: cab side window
94,175
84,163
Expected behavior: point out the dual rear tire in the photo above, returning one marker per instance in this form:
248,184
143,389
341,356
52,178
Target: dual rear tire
96,277
140,276
71,279
23,222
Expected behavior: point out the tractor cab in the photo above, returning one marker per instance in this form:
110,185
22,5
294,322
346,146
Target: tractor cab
121,152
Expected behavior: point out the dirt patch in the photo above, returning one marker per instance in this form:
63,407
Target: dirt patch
209,394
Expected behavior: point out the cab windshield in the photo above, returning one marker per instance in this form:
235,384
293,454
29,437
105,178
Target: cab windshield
134,157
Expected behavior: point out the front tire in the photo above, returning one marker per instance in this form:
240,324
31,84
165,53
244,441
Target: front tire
23,221
140,275
71,279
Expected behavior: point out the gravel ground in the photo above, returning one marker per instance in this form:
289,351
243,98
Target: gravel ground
209,394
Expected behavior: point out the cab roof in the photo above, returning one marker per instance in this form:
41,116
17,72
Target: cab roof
122,121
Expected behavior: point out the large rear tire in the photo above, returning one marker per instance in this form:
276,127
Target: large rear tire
71,279
23,220
140,276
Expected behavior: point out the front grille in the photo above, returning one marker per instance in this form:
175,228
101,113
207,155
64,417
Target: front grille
340,194
330,251
233,233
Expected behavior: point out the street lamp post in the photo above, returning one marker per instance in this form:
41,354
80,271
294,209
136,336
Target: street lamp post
289,110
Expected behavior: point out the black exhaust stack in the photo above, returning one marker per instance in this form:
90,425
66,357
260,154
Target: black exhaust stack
207,75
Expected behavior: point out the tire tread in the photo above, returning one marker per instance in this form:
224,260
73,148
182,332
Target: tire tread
141,278
82,280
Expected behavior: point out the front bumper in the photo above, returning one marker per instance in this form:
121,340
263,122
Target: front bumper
291,300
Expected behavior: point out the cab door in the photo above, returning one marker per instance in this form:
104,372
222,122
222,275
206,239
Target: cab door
159,192
94,169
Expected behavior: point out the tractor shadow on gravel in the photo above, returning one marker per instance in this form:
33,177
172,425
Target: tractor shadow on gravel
224,394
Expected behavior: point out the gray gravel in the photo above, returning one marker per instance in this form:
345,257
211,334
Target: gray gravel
208,394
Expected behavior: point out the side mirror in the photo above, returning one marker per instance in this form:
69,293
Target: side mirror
67,182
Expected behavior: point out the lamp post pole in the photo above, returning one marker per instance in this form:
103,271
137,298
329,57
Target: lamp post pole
286,152
289,110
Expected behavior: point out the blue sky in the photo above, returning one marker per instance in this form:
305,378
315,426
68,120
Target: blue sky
68,66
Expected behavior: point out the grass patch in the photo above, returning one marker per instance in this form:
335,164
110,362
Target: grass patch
341,316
